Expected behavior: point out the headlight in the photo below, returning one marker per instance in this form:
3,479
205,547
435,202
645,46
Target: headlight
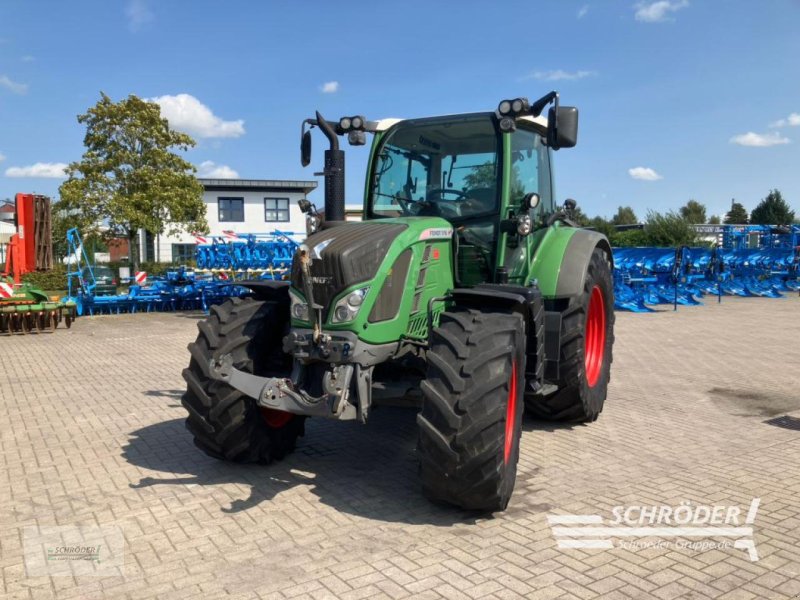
346,309
299,307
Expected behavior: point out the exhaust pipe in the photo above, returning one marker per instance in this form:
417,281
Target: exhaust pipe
333,172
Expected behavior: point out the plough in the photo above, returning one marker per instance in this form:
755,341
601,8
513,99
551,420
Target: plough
649,276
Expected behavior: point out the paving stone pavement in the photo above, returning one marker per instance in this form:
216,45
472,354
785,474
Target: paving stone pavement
92,434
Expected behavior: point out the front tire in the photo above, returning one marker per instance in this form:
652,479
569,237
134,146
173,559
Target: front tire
225,423
587,339
469,426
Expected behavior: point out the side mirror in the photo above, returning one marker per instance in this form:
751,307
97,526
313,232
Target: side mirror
562,127
305,149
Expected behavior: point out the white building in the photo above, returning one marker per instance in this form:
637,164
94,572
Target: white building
241,206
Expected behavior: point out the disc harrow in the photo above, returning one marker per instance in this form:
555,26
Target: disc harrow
26,309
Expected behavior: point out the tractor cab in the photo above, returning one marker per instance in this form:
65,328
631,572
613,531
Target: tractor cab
466,170
488,174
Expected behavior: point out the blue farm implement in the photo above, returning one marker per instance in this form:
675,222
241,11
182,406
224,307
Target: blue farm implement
649,276
222,264
249,255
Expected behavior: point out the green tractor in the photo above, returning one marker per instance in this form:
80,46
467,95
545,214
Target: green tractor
465,291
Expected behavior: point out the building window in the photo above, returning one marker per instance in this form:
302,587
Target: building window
183,253
276,209
231,210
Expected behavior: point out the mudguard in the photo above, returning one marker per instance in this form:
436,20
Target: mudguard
268,289
525,300
561,259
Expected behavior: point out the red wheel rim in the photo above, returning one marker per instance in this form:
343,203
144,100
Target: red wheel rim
511,413
595,336
275,418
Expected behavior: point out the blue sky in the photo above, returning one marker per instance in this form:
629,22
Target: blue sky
679,99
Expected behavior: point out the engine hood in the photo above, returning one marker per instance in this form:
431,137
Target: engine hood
352,253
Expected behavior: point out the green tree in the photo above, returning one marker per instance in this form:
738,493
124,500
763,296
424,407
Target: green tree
630,238
694,212
580,217
625,216
669,229
602,225
737,215
129,177
772,210
714,220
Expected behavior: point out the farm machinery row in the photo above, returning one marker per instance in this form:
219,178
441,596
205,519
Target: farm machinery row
649,276
222,262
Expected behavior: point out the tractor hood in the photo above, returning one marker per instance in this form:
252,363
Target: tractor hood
347,255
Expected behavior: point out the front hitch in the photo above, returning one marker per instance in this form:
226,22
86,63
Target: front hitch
280,393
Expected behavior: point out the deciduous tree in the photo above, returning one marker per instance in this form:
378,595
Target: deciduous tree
694,212
625,216
130,176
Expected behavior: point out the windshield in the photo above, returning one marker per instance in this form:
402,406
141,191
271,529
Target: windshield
444,167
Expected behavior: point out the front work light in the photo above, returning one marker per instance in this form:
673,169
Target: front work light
508,124
347,308
299,307
348,124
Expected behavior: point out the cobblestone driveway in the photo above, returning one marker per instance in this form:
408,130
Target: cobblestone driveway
92,433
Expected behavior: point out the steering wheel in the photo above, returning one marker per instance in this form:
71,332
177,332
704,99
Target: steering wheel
442,191
404,204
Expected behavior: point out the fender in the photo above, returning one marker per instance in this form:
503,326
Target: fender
561,259
525,300
268,290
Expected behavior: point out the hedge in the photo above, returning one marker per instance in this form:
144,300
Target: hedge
56,278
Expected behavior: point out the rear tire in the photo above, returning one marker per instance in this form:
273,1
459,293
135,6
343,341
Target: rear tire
225,423
469,426
587,339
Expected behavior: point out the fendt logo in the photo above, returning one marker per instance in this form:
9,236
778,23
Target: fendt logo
681,526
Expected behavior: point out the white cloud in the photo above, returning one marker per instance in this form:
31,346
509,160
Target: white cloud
329,87
793,120
2,157
644,174
13,86
138,14
759,140
656,12
28,58
559,75
211,170
186,113
41,170
583,10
